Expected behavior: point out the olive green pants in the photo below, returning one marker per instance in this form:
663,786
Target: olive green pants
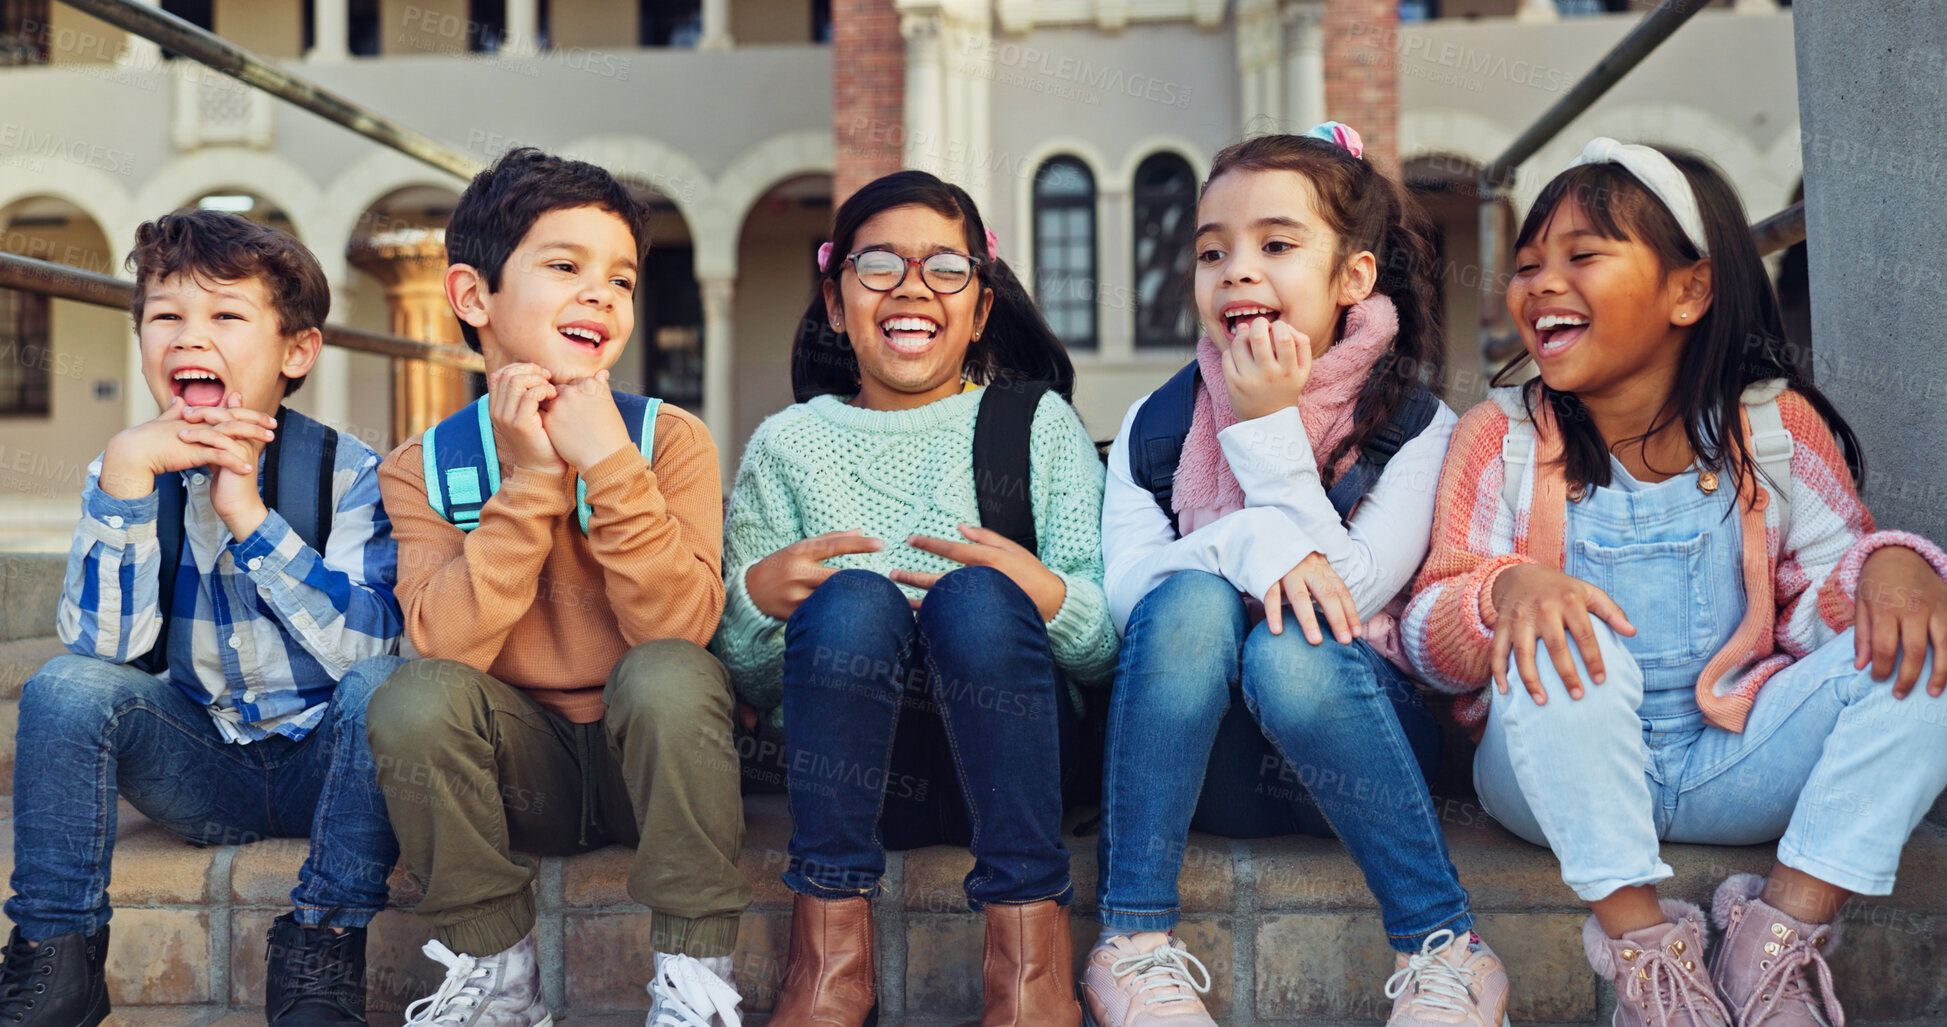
473,769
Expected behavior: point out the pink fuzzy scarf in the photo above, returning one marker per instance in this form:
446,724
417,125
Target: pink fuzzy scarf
1205,487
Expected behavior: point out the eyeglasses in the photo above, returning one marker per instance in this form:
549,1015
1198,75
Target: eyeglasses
884,270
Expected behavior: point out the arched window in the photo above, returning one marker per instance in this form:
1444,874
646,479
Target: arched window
1064,249
1165,240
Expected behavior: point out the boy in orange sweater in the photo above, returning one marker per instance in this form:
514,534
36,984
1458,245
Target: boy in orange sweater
561,588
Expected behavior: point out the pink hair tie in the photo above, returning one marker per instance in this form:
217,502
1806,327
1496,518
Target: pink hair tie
824,257
993,245
1342,135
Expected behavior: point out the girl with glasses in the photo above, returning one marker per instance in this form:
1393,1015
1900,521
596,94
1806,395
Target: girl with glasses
924,667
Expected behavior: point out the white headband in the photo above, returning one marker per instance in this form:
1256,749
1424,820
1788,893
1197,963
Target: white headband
1658,174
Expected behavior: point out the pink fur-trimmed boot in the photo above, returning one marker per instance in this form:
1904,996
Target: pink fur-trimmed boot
1659,971
1767,962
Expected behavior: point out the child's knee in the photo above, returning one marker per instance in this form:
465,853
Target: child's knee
669,682
421,705
73,691
859,593
1621,688
1289,674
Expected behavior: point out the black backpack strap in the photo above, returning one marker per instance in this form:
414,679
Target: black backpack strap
1156,436
1002,430
298,471
1408,421
170,497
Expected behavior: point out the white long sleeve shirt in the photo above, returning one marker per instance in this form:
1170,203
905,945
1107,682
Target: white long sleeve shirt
1286,517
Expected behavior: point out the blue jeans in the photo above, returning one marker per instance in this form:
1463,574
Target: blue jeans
90,730
970,679
1352,736
1828,760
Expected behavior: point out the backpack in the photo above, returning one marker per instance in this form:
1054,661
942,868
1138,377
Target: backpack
1771,447
463,467
1156,442
296,474
1002,430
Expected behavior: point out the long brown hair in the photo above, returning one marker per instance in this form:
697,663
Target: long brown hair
1368,212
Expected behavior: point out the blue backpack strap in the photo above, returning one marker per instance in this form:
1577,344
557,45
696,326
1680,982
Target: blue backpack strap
1156,436
461,465
639,413
1407,422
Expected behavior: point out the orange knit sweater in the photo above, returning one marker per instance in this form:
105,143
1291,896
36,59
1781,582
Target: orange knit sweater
1799,591
527,598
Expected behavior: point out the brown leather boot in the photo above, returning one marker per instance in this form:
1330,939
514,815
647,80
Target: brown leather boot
828,976
1028,971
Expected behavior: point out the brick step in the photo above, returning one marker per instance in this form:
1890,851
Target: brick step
1286,926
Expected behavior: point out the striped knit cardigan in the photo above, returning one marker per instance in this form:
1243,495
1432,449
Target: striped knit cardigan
1799,590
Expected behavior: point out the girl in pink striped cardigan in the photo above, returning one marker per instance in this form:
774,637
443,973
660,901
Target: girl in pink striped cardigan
1659,542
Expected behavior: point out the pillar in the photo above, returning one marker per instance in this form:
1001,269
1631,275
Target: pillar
719,295
330,31
411,264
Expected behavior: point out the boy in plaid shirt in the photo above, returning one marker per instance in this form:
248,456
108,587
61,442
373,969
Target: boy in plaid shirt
212,693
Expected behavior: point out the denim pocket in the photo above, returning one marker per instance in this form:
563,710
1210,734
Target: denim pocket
1665,589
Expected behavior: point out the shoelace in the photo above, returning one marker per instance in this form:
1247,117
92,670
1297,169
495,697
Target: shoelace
1785,981
1671,990
23,962
1439,985
687,994
322,977
1165,966
457,994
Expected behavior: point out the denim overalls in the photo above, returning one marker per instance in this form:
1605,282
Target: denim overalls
1827,758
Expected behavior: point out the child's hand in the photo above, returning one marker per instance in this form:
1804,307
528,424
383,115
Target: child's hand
786,578
1314,581
242,431
987,548
515,395
584,424
1533,602
1266,368
1901,609
136,455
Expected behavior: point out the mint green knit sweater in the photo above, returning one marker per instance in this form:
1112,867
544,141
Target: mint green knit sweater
828,466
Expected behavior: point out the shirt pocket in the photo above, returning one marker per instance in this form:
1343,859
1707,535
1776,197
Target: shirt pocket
1665,590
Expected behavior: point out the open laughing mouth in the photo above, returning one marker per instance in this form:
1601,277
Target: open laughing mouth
1237,320
197,387
909,333
584,334
1557,332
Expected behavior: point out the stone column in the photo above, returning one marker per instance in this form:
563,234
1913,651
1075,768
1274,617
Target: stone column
411,264
1260,76
524,28
330,31
719,296
1304,63
1537,10
139,52
716,26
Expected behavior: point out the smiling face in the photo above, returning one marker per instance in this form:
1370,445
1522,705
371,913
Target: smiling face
910,342
1601,316
202,339
1264,251
566,299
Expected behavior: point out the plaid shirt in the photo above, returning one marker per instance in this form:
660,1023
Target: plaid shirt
274,625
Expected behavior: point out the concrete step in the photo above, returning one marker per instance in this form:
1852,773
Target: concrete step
30,589
1286,926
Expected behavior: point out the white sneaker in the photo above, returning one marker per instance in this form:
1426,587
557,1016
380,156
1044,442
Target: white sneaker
501,990
690,992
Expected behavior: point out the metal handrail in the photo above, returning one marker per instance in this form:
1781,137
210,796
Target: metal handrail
69,283
214,51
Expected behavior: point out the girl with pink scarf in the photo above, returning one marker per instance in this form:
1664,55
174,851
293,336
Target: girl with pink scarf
1260,690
